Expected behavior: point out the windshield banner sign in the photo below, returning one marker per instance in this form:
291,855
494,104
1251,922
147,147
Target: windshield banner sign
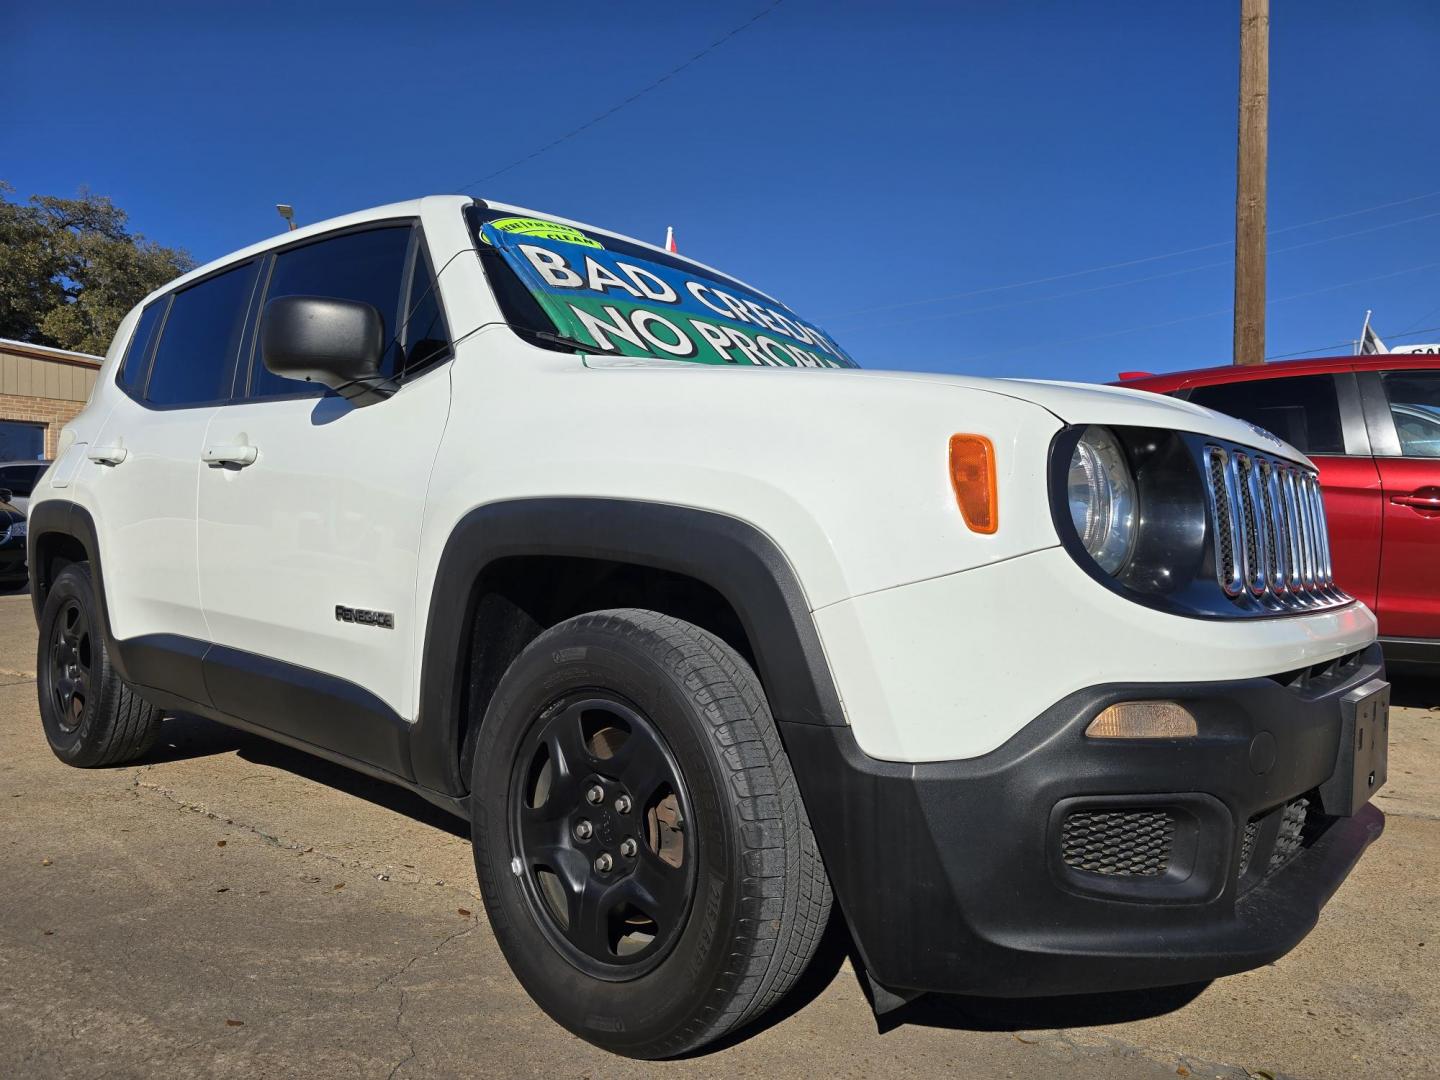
636,307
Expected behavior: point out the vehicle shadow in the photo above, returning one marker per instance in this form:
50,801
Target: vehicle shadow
184,737
960,1013
1414,691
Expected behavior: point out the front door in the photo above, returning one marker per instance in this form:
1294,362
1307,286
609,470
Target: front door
310,514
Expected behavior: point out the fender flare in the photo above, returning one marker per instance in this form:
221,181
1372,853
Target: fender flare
734,558
65,518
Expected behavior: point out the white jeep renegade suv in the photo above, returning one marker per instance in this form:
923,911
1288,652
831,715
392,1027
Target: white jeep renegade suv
697,624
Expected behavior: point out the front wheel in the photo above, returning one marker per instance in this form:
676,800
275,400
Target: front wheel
645,859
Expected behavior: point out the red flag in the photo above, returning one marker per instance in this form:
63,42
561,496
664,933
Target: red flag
670,239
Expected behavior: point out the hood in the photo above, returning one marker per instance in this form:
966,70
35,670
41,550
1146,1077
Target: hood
1071,402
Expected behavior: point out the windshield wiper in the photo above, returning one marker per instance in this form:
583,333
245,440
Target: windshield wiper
561,339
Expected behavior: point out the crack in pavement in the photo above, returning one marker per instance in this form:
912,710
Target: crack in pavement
386,871
404,997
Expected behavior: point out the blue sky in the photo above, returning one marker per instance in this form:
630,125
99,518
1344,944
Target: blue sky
859,161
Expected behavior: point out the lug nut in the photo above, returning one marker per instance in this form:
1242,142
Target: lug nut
604,862
583,830
628,847
595,794
622,804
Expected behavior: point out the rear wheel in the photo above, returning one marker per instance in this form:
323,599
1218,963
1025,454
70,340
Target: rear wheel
645,859
91,716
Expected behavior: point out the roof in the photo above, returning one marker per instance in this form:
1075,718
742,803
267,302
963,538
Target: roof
412,208
47,352
1277,369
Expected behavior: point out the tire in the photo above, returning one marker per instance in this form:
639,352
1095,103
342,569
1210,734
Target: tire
733,913
91,716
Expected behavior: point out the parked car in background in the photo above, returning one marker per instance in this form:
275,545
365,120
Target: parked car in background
1372,425
19,478
14,571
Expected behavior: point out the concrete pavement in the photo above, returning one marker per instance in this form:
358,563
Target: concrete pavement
233,908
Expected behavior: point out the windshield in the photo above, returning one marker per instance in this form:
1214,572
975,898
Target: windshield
617,297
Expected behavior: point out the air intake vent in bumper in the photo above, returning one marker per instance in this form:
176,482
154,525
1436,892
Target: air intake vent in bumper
1128,843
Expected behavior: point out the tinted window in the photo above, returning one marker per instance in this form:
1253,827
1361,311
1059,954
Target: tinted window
1415,405
20,480
366,266
426,335
1302,410
132,368
199,339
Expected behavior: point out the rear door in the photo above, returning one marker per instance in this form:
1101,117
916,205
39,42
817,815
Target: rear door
308,553
139,473
1322,416
1406,433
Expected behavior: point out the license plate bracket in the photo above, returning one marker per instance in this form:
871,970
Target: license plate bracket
1361,766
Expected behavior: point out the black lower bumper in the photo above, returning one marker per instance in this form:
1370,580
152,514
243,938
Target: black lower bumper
973,876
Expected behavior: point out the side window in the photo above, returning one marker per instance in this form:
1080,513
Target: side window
426,335
1415,406
366,266
199,340
137,353
1302,409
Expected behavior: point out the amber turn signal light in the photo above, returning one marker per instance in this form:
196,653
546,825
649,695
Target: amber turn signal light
1144,720
972,475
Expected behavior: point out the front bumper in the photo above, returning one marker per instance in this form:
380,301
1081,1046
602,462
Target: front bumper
956,876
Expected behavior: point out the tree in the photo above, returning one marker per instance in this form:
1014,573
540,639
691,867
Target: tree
69,269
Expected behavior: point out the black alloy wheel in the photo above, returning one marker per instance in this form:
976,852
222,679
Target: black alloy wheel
598,815
71,654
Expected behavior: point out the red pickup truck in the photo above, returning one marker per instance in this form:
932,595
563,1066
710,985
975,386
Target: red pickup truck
1372,426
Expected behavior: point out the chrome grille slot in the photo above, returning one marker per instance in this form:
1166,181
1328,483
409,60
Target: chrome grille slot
1221,485
1271,544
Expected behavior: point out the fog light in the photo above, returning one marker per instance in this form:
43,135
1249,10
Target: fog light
1144,720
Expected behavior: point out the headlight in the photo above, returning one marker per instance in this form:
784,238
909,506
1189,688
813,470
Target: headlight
1103,502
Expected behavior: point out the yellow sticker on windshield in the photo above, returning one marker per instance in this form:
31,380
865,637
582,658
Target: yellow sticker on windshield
544,230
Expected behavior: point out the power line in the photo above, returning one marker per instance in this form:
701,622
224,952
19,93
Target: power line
1319,350
1201,315
1119,284
1140,261
629,100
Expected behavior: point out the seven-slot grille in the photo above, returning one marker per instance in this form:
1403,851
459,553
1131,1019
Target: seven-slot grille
1271,540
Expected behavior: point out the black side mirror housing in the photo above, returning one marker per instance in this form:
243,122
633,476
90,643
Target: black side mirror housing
337,343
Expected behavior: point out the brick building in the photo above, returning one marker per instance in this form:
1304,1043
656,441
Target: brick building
41,389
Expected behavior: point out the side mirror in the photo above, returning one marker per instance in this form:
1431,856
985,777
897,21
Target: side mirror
337,343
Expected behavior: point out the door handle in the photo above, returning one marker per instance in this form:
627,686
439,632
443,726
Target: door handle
107,455
1429,500
238,454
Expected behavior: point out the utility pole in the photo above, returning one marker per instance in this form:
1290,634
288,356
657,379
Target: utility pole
1250,182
